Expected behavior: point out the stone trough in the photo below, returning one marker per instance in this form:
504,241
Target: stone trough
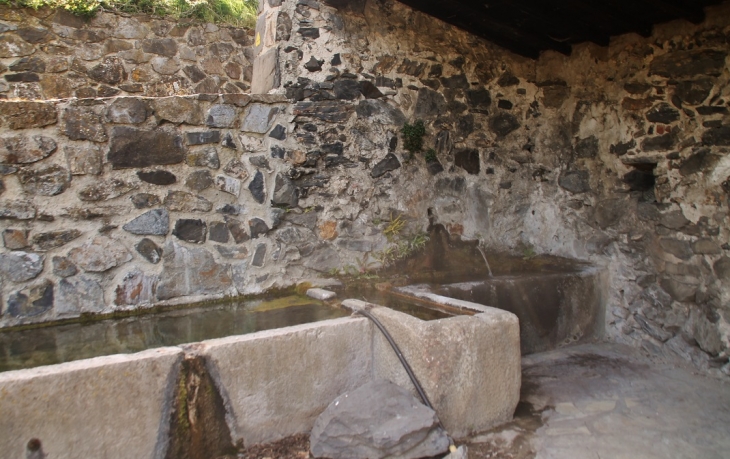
269,384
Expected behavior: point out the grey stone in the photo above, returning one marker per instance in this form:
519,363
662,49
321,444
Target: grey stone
321,294
694,92
662,113
314,64
14,46
259,256
32,34
205,157
706,247
657,296
51,240
162,46
653,329
154,222
149,250
222,116
228,142
203,137
32,301
190,230
285,194
479,99
218,232
190,271
278,133
181,201
659,143
356,245
228,185
503,124
429,104
265,75
678,248
674,219
26,115
238,230
622,148
323,258
722,268
132,147
105,190
166,65
587,148
680,290
681,64
608,212
347,89
110,71
63,267
379,111
77,295
25,150
144,200
718,136
17,210
468,159
256,187
377,420
127,110
235,168
83,160
20,266
157,177
369,90
387,164
136,288
15,239
257,227
178,110
330,111
260,161
99,255
259,118
575,181
48,181
194,73
199,180
232,253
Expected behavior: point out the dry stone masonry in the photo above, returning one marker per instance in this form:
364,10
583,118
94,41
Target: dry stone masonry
616,155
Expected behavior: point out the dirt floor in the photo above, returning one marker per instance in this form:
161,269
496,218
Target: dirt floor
595,402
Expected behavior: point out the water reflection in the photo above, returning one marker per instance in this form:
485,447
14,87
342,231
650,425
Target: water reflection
63,343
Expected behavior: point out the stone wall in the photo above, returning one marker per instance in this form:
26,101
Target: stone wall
48,54
615,155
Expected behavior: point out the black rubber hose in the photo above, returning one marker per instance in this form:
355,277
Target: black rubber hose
404,362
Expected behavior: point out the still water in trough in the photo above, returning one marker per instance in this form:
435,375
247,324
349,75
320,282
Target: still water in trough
63,343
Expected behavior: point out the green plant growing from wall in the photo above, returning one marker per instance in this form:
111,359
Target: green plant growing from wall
413,136
430,155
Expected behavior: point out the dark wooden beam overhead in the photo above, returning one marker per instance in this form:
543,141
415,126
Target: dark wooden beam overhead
528,27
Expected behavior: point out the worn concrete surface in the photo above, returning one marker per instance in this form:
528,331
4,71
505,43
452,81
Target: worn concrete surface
468,365
607,401
111,406
275,383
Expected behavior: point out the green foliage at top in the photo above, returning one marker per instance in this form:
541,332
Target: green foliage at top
413,136
241,13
